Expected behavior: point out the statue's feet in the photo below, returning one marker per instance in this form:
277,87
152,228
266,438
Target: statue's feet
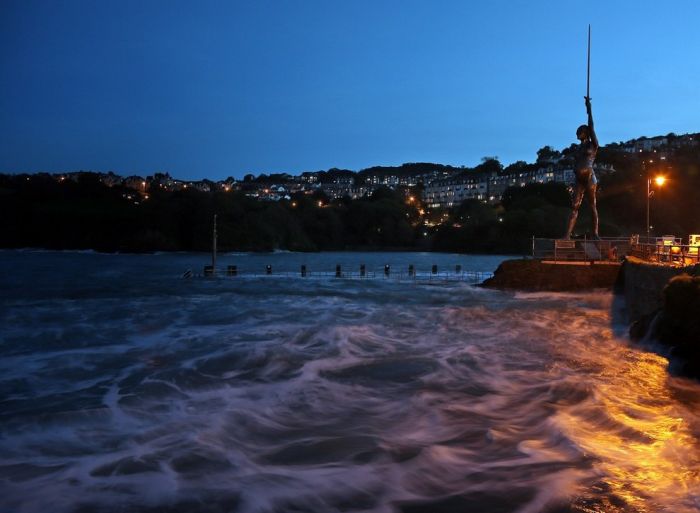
596,236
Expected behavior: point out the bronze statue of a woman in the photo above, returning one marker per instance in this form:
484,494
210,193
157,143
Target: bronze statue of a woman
586,181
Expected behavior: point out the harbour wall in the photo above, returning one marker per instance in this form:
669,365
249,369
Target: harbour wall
663,304
643,285
640,282
662,301
540,275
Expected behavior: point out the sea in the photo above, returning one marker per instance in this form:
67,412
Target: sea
128,384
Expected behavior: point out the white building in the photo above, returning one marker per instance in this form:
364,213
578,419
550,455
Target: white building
448,192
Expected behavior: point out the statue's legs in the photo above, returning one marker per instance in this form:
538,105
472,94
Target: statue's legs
590,194
578,198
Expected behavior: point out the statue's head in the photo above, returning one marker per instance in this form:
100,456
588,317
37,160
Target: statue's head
582,133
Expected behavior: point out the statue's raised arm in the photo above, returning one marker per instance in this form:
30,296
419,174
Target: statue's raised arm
594,138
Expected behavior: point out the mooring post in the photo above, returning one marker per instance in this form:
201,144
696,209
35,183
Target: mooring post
303,270
338,272
268,269
213,248
411,271
363,270
387,270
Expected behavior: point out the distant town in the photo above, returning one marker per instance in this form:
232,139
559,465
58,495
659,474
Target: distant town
429,206
441,186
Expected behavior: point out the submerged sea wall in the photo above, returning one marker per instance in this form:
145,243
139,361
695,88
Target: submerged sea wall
536,275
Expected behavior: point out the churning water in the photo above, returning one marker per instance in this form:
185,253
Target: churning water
124,387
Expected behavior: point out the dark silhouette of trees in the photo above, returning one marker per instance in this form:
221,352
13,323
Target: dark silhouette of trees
81,212
547,154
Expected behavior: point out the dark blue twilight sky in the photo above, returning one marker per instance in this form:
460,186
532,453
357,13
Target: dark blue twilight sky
219,88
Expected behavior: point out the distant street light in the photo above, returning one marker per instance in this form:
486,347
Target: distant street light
659,181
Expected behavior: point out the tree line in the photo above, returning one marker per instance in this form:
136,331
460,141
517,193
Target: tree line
40,211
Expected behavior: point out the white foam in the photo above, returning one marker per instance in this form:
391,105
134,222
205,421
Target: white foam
324,395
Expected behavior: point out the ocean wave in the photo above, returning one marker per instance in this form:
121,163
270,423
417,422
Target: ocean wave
273,395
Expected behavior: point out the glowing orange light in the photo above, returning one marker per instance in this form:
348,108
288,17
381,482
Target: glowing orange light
660,180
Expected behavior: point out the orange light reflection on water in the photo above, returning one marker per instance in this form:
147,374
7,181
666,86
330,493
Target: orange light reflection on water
645,452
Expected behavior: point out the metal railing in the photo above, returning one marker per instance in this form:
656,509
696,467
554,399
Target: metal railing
604,249
667,250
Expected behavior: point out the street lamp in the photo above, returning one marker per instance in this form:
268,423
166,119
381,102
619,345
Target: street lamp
659,181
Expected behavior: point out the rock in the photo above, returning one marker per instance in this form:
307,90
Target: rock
644,282
677,323
640,327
